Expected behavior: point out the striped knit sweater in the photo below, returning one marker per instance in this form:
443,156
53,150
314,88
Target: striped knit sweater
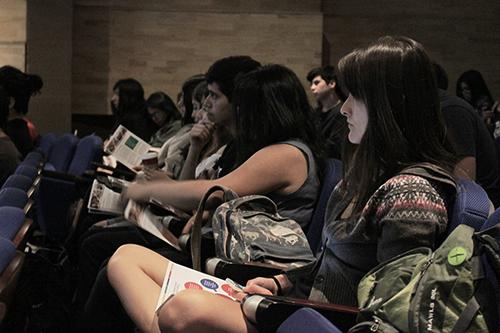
406,212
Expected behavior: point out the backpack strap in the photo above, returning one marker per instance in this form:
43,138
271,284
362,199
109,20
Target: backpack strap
430,172
198,221
466,316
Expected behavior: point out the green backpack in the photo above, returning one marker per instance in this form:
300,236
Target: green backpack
441,291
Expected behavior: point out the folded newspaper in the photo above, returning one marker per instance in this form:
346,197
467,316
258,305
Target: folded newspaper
127,148
179,278
104,200
141,215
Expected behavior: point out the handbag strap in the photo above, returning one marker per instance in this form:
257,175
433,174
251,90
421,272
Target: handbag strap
266,203
198,221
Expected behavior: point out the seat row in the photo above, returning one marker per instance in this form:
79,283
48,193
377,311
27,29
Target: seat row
28,197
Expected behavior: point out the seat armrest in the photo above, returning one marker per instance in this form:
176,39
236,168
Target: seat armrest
269,312
240,273
63,176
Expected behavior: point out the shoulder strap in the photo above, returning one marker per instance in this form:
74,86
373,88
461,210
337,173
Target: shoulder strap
430,171
198,221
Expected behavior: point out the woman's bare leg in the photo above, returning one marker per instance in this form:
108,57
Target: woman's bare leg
136,273
201,311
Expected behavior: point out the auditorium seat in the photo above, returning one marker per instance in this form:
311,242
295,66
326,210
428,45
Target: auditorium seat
61,153
46,142
58,190
11,262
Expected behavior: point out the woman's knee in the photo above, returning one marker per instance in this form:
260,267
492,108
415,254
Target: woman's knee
185,311
124,258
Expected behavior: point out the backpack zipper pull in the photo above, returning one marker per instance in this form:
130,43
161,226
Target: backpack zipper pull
375,325
428,263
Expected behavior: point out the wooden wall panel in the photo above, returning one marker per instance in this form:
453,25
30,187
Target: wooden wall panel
13,33
213,6
161,49
49,43
461,35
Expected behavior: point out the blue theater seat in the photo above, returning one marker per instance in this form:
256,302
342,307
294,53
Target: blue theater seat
57,191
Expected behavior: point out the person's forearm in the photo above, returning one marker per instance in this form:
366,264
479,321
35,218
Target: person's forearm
189,167
184,194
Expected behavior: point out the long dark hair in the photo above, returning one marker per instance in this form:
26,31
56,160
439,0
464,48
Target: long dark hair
161,101
131,97
187,96
394,78
20,86
270,106
4,107
477,86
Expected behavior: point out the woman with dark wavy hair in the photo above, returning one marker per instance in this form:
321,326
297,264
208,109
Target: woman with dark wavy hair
128,107
162,110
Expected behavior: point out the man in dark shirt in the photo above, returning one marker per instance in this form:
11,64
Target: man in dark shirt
472,143
331,125
470,139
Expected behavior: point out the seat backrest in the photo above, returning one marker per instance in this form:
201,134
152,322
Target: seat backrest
307,320
471,207
62,152
14,197
34,157
331,176
18,181
46,142
7,253
11,220
88,150
27,170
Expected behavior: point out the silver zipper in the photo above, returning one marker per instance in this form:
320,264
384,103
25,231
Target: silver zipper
375,325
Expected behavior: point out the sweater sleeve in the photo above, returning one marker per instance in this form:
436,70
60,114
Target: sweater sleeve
411,214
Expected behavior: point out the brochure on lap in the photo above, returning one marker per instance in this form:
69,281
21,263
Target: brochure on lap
126,147
179,278
142,216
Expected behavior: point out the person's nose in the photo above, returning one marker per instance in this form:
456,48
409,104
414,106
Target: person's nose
346,109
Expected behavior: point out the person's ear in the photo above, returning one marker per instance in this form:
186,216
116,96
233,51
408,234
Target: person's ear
332,84
11,103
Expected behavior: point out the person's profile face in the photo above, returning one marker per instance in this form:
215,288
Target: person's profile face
180,104
466,92
219,108
115,98
319,87
356,114
158,116
197,107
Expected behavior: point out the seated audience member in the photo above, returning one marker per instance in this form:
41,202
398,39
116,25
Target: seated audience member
472,88
376,213
165,115
329,96
174,151
20,87
128,107
470,139
9,155
99,244
208,138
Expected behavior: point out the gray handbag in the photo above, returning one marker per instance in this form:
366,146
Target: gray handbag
249,229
